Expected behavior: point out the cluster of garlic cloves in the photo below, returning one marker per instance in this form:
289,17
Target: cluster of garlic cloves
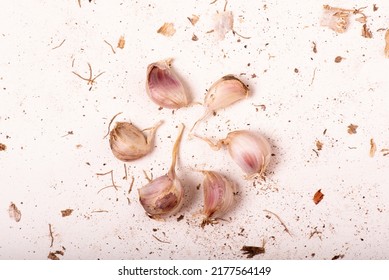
164,87
223,93
250,151
163,196
128,143
218,196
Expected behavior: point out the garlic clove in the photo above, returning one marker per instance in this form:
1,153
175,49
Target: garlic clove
251,151
128,143
218,196
163,196
223,93
164,87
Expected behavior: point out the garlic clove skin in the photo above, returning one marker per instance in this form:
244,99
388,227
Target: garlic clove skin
252,152
223,23
162,197
128,143
164,87
336,19
225,92
218,196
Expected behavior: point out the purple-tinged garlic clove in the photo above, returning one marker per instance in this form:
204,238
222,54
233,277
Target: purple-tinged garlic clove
164,87
164,196
223,93
251,151
218,196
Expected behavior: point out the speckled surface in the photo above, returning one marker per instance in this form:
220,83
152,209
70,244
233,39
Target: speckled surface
43,171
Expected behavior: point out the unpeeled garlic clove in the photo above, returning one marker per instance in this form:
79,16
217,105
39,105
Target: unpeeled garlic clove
218,196
128,143
251,151
223,93
164,87
163,196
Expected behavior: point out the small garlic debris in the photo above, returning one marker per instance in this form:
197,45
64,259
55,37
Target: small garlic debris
223,22
193,19
387,44
163,196
128,143
223,93
14,212
164,87
121,42
336,19
167,29
218,196
251,151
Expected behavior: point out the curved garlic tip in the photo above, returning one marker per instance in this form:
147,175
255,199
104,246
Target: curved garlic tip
164,87
128,143
163,196
223,93
218,197
250,151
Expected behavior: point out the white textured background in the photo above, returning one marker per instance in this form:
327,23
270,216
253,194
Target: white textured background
41,100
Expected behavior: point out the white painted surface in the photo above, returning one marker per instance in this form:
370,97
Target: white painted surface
41,100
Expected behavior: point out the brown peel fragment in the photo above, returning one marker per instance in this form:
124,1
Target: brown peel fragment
2,147
66,212
53,255
373,147
314,47
387,43
366,32
337,257
14,212
318,197
251,251
336,19
121,42
338,59
352,129
319,145
167,29
193,19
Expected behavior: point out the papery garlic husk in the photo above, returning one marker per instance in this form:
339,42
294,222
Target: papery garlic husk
163,196
223,93
223,22
218,196
337,19
128,143
251,151
164,87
